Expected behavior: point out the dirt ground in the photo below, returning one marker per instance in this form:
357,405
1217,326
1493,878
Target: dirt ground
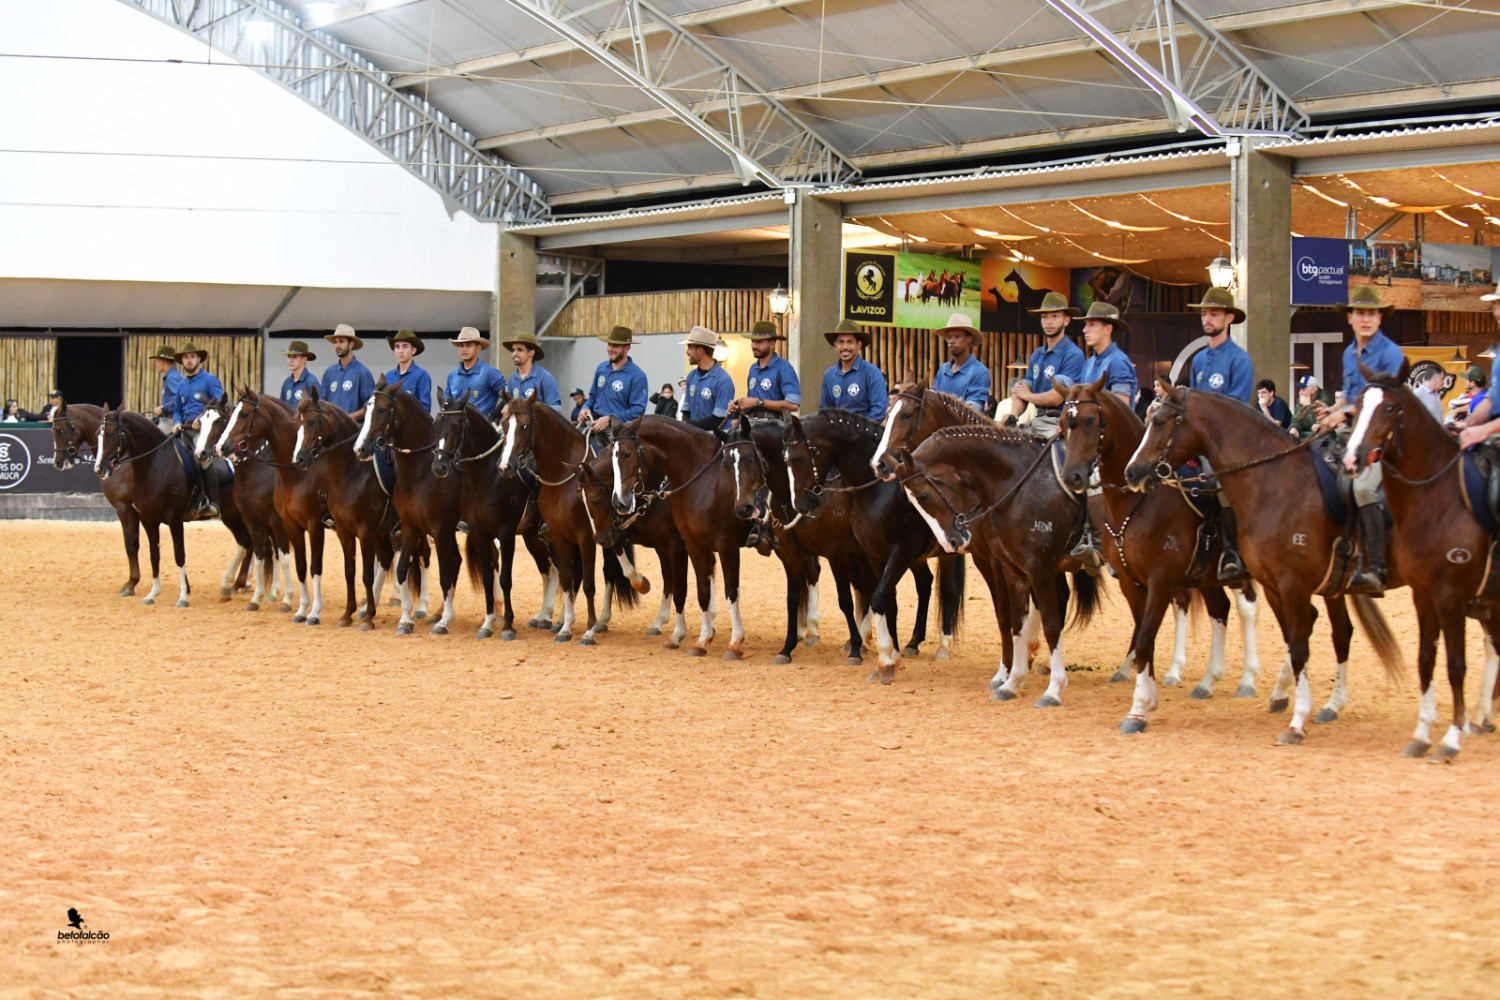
252,808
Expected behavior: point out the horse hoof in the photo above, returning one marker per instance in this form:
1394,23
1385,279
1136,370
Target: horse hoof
888,675
1132,726
733,654
670,644
1416,748
588,640
1119,676
697,651
911,651
225,600
642,586
1201,693
1290,737
298,619
1279,705
1002,694
148,600
653,630
366,627
781,659
846,649
563,637
345,622
1047,701
181,603
313,621
1326,715
810,641
404,629
539,623
941,655
557,629
508,635
855,661
420,613
225,593
1170,682
285,609
1245,691
483,633
1444,754
1489,726
252,606
127,591
601,628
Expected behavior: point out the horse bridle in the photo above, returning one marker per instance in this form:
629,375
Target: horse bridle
120,456
1070,412
1162,469
71,452
318,448
455,454
393,425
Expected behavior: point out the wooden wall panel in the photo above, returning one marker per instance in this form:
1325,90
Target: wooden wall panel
28,366
234,358
723,310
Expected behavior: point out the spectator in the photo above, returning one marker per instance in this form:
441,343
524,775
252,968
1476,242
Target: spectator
665,405
1310,396
1429,390
1272,405
54,400
1477,393
578,398
15,415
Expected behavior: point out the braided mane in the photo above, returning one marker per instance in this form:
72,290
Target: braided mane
960,409
987,431
854,421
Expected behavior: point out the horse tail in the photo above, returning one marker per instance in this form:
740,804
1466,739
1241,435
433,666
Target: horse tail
479,559
952,574
1086,599
1379,633
614,574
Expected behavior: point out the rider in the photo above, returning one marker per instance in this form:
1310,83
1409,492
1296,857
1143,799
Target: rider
171,380
295,385
710,390
620,387
852,383
406,345
963,375
1377,352
1225,368
772,389
1111,364
531,379
196,390
474,381
1478,425
1054,366
347,383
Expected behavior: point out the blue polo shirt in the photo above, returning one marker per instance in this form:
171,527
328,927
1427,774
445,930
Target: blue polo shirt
293,389
539,383
618,392
775,379
971,383
479,386
1119,372
1065,359
708,393
1226,370
418,383
350,386
193,394
171,382
1380,355
861,389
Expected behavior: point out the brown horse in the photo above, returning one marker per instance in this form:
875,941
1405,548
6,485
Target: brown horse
712,482
1287,538
1441,550
427,506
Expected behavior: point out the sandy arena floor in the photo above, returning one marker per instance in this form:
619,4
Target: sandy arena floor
254,808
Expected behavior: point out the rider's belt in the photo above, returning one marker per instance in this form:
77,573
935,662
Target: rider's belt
1049,411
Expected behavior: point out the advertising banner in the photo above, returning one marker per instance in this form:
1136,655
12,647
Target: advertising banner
26,464
870,287
1320,271
932,288
1012,288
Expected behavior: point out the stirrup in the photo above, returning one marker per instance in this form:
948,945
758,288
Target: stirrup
1366,582
1232,568
328,521
1087,550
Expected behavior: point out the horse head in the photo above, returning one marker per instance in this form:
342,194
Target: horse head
1382,407
240,425
518,427
1082,427
929,491
312,429
805,467
627,458
1170,440
741,459
111,444
67,437
452,430
381,421
903,427
215,411
595,483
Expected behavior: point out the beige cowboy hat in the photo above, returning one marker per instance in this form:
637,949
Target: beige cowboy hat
1055,302
847,326
192,348
960,322
701,336
1107,313
1220,298
299,347
1492,296
164,352
469,335
1364,297
406,337
764,329
619,336
347,332
529,339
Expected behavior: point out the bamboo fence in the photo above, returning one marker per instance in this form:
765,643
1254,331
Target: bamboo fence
235,358
29,366
723,310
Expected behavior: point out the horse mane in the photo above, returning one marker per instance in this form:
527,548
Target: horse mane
1118,401
960,409
139,423
853,421
1260,418
987,431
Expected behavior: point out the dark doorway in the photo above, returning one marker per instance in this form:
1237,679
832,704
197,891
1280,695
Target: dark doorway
91,369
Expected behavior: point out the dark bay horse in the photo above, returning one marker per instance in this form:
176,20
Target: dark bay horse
712,482
254,496
1286,536
1149,538
427,506
491,504
1441,550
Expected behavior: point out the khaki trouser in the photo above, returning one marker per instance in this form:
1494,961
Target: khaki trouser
1208,470
1367,485
1044,424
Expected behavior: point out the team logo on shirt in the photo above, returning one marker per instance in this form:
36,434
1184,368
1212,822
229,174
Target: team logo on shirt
1216,381
705,392
198,395
617,385
854,389
473,393
529,393
835,392
297,394
1051,370
765,383
601,381
1037,370
348,384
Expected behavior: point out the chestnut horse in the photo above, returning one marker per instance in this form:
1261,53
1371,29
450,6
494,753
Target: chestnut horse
1441,550
1286,536
254,495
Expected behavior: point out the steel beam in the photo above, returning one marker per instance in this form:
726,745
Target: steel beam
1393,159
1105,188
661,230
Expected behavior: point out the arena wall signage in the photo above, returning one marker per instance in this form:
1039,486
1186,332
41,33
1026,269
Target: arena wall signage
26,465
920,291
1320,271
870,287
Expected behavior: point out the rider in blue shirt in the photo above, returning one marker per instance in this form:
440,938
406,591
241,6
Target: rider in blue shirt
414,379
1054,366
171,380
853,383
963,375
1111,364
296,385
531,379
619,389
772,388
710,390
474,381
347,383
196,390
1225,369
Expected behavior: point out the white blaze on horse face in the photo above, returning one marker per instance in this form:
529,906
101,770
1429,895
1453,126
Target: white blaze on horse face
301,439
510,442
205,427
442,444
937,529
885,436
1368,404
737,493
99,449
234,418
791,483
625,497
1136,455
364,430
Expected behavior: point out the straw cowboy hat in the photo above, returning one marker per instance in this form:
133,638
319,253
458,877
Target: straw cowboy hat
299,347
469,335
406,337
164,353
1364,297
764,329
620,336
1220,298
1055,302
961,323
848,326
192,348
529,339
702,336
346,331
1106,313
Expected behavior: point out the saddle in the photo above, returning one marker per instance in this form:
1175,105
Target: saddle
385,470
1480,484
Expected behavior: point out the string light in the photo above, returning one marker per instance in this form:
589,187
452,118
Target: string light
1116,225
1325,197
1477,194
1178,215
1105,256
1451,218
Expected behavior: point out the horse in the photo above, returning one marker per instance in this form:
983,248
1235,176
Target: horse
491,504
1289,543
1152,542
712,481
889,536
1443,552
426,506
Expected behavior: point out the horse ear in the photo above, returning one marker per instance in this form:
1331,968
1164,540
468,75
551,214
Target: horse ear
312,393
1097,386
797,422
398,383
1369,373
922,385
721,435
442,398
380,381
1402,375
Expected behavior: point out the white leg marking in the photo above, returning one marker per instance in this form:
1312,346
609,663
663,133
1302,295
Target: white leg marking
706,625
663,613
1283,687
1058,682
1453,737
304,597
679,630
566,632
316,612
865,625
404,587
606,612
1339,699
736,627
448,596
1248,611
1426,715
182,586
1020,665
1030,637
1145,695
1302,707
155,590
810,611
1179,649
884,645
1484,705
1215,671
227,580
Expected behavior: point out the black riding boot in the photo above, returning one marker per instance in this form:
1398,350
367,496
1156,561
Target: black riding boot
1371,576
1231,567
528,516
211,491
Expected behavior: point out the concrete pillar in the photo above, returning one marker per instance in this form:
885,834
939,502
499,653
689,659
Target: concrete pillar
817,264
513,308
1260,190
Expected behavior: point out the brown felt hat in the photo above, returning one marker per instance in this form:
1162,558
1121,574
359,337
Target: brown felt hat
529,339
620,336
346,331
192,348
847,326
1055,302
1364,297
299,347
764,329
164,352
1220,298
1107,313
406,337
